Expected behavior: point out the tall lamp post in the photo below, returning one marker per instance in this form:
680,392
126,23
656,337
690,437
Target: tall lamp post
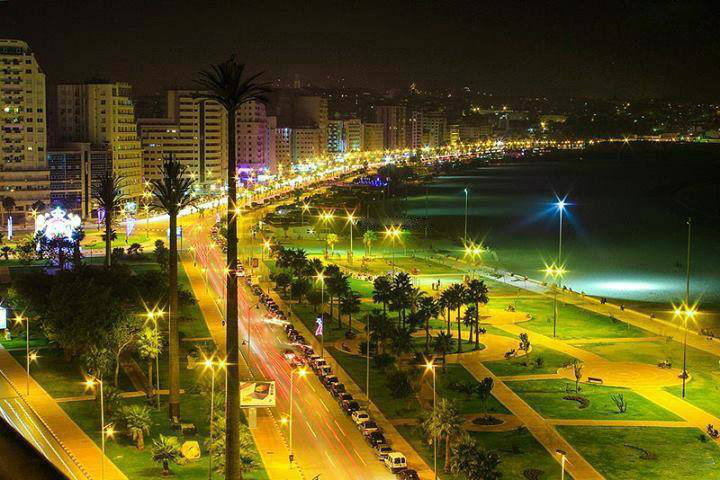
556,273
301,373
351,220
153,316
326,218
563,459
466,214
685,313
431,366
392,233
212,366
305,208
321,277
560,204
106,430
19,319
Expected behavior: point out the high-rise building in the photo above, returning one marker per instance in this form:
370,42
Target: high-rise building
353,135
335,136
253,140
160,138
74,169
414,131
373,137
306,144
24,174
312,111
393,119
103,115
434,129
283,148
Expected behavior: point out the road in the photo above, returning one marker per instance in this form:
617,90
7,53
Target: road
325,440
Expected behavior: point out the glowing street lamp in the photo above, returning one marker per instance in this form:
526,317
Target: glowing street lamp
19,319
305,208
213,366
301,372
351,219
393,233
685,313
466,213
560,204
320,276
106,430
556,273
153,316
430,366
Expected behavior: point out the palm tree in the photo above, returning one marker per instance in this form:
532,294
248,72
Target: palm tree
226,84
457,298
349,304
8,203
149,347
166,450
331,240
382,291
109,196
137,423
6,251
401,341
444,422
171,194
477,293
369,237
428,308
401,297
445,303
443,345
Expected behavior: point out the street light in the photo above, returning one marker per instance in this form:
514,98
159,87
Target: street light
563,459
393,233
305,208
301,373
556,273
560,204
431,366
213,366
686,313
321,277
105,430
153,316
19,320
326,217
466,213
351,220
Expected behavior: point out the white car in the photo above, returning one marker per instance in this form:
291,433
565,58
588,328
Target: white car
395,461
360,416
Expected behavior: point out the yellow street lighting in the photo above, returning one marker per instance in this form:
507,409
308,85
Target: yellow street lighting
266,244
685,312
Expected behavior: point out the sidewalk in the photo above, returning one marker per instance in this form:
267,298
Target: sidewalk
268,440
77,445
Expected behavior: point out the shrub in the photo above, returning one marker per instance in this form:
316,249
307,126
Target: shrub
620,403
539,362
383,361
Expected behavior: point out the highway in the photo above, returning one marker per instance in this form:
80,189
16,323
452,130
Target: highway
325,440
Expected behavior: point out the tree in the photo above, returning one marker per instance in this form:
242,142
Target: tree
443,345
136,420
477,293
109,196
380,327
282,281
6,251
162,255
577,371
428,308
8,203
484,390
369,237
97,361
122,335
227,84
349,304
445,303
165,450
472,462
400,295
401,341
457,300
382,291
149,347
336,283
314,298
524,344
331,239
445,423
402,383
299,287
171,194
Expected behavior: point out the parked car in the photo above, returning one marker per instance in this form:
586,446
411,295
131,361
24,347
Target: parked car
369,427
300,339
382,450
360,416
289,355
337,389
323,371
407,474
351,406
307,350
317,363
395,462
375,439
288,327
329,380
297,362
343,396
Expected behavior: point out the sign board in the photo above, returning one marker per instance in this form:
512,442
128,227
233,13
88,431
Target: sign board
3,318
319,322
257,394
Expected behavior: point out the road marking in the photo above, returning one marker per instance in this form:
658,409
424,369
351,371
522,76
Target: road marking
323,404
311,430
340,428
358,455
328,456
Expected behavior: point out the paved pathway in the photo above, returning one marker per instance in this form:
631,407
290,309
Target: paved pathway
693,415
584,422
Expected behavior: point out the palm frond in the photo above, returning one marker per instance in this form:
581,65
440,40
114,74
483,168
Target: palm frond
173,192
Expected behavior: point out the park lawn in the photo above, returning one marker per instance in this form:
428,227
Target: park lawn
18,342
703,389
391,406
467,346
454,372
138,464
192,323
59,377
546,397
573,322
680,453
331,331
518,451
552,361
362,287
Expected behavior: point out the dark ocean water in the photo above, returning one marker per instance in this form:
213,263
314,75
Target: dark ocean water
625,228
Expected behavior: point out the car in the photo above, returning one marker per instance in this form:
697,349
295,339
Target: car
343,396
329,380
300,339
351,406
288,327
407,474
360,416
375,439
382,450
395,462
307,350
317,364
369,427
297,362
323,371
289,355
312,358
337,389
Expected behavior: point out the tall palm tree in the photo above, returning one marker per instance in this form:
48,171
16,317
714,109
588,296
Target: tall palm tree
227,84
8,203
349,304
428,309
382,291
171,194
109,196
477,294
369,237
445,303
445,422
457,296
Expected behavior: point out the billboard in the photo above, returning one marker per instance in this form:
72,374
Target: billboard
257,394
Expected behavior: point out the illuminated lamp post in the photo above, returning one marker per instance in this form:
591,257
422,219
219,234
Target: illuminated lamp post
321,277
466,213
685,313
212,366
351,220
106,430
301,373
431,366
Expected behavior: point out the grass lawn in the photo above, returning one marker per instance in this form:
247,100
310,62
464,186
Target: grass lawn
518,450
573,322
138,464
703,389
552,359
465,345
680,453
391,406
546,397
18,342
465,403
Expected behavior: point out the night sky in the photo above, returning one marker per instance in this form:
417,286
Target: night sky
581,48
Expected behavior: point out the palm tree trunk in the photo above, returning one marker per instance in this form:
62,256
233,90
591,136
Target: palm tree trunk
447,452
232,339
459,331
108,238
477,325
350,322
427,334
174,337
448,321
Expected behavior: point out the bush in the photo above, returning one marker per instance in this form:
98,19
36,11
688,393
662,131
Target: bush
402,383
383,361
539,362
620,403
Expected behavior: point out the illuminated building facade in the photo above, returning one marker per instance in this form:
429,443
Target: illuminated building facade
373,137
393,119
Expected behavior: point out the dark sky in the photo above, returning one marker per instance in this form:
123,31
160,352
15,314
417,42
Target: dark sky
585,48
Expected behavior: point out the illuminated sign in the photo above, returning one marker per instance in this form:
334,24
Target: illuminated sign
57,224
3,318
257,394
319,329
